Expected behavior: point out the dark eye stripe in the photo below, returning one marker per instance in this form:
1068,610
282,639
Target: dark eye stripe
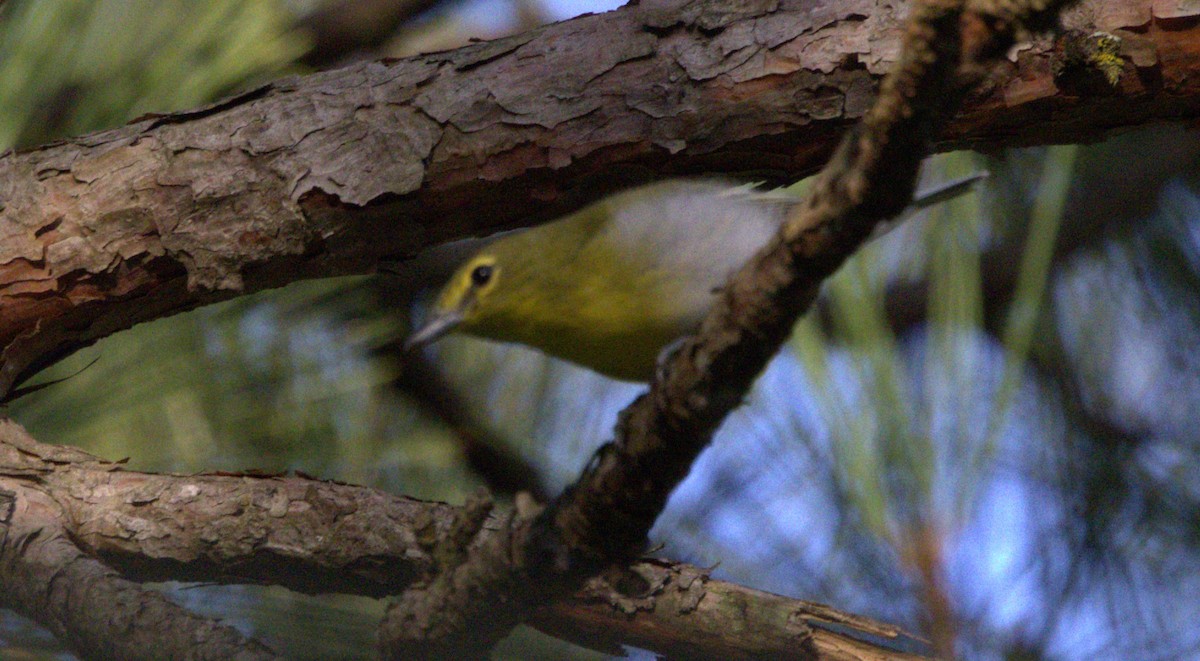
481,275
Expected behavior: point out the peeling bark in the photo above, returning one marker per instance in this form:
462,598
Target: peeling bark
328,174
308,535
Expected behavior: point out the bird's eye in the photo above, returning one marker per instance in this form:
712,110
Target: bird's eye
481,275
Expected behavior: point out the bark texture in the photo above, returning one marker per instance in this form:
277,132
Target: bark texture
330,173
604,517
69,522
680,613
85,604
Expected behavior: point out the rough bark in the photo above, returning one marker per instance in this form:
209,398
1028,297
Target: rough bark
604,517
681,613
61,509
85,604
330,173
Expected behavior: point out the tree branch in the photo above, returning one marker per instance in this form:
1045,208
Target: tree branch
680,613
330,173
318,537
308,535
85,604
605,516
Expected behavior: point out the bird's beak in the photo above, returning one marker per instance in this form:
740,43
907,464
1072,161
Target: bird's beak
434,327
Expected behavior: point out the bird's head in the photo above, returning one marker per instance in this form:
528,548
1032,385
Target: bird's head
462,301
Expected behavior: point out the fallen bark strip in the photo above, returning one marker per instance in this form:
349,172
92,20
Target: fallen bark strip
328,174
320,537
603,519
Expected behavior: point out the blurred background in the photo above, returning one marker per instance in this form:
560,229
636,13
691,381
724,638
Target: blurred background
984,433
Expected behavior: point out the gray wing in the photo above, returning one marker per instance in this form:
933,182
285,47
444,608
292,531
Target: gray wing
690,236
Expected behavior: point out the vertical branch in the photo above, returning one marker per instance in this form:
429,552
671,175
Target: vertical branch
605,516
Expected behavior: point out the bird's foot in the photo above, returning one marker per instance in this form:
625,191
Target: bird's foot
664,357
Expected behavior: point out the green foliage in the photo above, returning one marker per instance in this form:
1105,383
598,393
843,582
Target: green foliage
890,418
72,66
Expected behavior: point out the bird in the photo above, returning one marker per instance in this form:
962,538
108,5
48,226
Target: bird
613,285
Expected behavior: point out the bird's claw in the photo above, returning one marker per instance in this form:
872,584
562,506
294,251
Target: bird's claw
664,357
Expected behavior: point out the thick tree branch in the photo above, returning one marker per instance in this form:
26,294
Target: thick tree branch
88,606
319,537
605,516
308,535
327,174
